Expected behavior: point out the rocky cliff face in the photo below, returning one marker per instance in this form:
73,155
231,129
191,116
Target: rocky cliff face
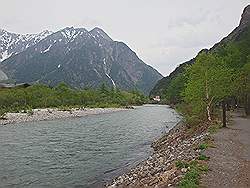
238,31
81,59
245,18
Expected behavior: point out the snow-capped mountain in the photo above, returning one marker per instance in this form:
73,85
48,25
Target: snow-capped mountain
12,43
81,59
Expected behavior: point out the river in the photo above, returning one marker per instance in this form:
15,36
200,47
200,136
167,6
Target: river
80,152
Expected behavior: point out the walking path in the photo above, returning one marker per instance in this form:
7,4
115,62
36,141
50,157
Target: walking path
229,162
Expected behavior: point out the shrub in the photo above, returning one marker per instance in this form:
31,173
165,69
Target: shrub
2,113
181,164
203,157
191,178
203,146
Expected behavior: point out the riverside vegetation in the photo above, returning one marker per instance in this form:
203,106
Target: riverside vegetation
64,98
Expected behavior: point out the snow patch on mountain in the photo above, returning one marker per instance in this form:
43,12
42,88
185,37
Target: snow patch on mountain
72,33
3,76
13,43
4,55
47,49
106,73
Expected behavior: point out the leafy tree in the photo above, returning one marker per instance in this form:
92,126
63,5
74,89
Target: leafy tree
173,92
210,81
242,86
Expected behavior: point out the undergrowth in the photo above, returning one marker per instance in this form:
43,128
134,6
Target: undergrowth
191,178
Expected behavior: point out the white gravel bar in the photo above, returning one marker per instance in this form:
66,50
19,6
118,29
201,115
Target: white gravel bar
53,113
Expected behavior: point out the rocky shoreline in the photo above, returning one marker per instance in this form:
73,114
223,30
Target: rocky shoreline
53,114
159,169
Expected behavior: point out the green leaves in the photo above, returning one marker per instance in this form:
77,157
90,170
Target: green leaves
42,96
209,81
173,92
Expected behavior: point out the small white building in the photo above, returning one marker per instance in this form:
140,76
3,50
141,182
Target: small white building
157,98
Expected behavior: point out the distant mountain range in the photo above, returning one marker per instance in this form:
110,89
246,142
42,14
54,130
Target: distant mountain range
240,34
75,56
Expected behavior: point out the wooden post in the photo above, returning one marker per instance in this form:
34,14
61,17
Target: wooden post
224,114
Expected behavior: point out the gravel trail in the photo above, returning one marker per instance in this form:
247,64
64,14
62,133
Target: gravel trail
229,162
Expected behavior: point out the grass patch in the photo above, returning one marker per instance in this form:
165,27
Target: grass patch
181,164
203,146
191,178
203,157
206,144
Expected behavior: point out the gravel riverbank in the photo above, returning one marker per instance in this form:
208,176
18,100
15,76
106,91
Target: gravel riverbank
53,113
159,169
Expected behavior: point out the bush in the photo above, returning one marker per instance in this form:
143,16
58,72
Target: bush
203,157
191,178
181,164
203,146
2,113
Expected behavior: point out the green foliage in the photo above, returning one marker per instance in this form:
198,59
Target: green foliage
242,86
173,92
2,113
203,157
29,111
191,178
203,146
181,164
232,55
191,119
210,81
64,97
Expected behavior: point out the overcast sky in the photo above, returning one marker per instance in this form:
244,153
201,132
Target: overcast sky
164,33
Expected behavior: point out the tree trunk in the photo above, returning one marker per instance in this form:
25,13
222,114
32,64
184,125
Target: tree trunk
247,104
209,113
208,102
224,114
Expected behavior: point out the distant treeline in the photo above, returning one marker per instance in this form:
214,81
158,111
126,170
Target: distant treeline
62,96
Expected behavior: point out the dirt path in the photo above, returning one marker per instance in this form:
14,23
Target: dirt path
229,162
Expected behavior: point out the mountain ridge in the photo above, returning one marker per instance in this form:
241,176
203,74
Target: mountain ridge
13,43
81,58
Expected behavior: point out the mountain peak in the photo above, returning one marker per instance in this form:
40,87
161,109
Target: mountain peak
71,32
46,32
97,32
245,18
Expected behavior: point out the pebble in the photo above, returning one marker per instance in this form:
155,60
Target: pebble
159,168
52,114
